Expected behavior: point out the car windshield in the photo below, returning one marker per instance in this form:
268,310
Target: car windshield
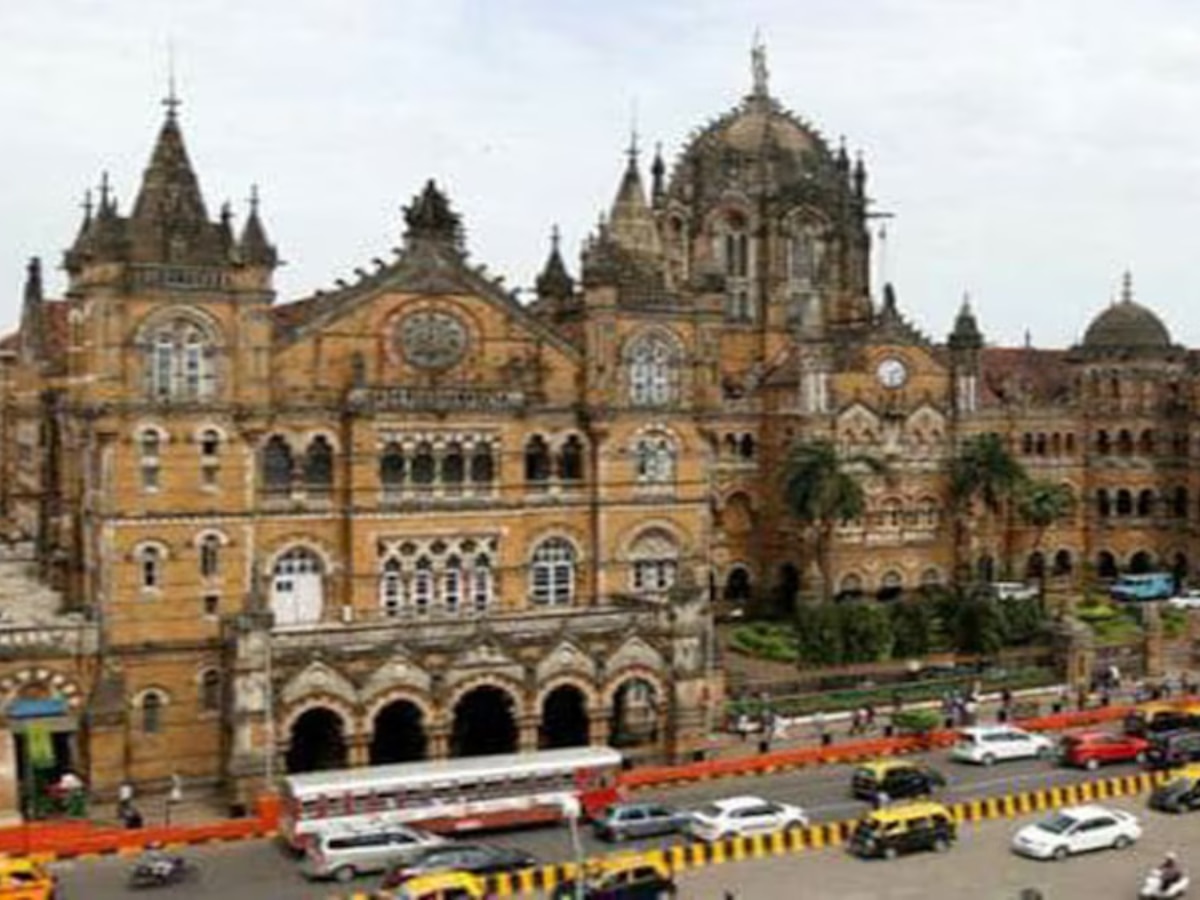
1056,824
710,811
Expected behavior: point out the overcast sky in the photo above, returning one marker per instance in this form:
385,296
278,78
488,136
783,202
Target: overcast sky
1030,151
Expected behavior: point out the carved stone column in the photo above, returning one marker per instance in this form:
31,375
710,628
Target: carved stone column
599,723
528,729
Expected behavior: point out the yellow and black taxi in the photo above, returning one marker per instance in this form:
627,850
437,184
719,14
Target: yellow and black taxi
1180,794
884,780
24,879
638,877
905,828
1160,716
440,886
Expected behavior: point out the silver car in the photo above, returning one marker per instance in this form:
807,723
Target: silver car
347,852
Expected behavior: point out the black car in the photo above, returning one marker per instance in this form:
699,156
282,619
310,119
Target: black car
1173,748
892,779
478,859
1180,794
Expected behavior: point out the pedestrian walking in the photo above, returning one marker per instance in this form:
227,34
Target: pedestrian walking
818,723
856,722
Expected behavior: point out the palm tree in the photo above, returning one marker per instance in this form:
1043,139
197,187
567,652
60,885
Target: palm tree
983,470
821,489
1041,504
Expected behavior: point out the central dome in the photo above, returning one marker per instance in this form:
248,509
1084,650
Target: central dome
1127,325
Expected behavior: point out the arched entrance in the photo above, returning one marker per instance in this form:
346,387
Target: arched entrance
1179,568
1141,563
986,568
891,586
634,714
399,734
1035,566
564,718
317,742
737,585
297,588
787,590
1106,565
484,723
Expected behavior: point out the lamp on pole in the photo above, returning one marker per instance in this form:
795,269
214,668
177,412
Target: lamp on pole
572,810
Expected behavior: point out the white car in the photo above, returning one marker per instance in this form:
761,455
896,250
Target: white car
1077,829
1187,599
987,744
1014,590
742,816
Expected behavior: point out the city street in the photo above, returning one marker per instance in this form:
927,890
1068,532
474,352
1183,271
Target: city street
259,870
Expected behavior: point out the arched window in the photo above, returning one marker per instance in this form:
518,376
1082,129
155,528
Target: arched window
893,513
1124,503
481,583
1062,563
1027,443
651,362
1146,443
927,510
1069,443
210,690
1039,445
746,447
1145,503
151,444
318,464
1179,503
734,247
1103,504
570,460
655,562
277,465
655,460
423,586
1124,443
483,467
151,561
210,556
391,588
152,710
454,464
452,584
178,362
1103,443
537,460
552,572
424,467
210,444
392,468
151,447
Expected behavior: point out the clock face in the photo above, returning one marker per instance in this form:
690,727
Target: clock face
892,373
432,339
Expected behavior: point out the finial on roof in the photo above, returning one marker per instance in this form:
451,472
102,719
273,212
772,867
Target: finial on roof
1028,339
758,65
87,206
104,191
171,101
253,199
555,238
1127,287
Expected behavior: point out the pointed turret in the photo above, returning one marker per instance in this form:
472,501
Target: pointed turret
631,223
658,182
860,178
170,189
431,223
966,334
554,283
31,310
253,248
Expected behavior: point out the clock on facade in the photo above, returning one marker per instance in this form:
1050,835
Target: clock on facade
892,372
432,339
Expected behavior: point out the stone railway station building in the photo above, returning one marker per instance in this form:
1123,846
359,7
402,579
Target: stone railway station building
413,517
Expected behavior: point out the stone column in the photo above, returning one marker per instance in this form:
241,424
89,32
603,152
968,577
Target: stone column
528,728
358,748
598,726
439,740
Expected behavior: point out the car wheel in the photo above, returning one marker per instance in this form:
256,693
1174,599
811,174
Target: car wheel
1092,764
1045,752
1140,759
1060,853
940,845
1122,842
988,759
344,874
889,853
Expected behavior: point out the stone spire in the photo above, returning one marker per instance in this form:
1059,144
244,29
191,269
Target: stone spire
554,283
631,223
170,190
966,334
253,247
658,183
31,309
758,68
431,223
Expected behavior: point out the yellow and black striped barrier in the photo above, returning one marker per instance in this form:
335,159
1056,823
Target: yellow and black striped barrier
682,857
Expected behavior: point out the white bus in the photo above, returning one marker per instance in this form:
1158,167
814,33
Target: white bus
453,795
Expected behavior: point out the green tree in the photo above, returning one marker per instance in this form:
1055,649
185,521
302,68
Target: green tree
819,634
1042,504
983,471
912,625
866,632
822,489
978,625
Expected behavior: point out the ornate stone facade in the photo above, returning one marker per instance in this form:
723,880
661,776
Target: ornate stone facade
413,516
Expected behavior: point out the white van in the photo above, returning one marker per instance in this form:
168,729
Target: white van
346,851
1014,590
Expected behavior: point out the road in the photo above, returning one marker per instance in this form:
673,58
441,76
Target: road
980,867
258,870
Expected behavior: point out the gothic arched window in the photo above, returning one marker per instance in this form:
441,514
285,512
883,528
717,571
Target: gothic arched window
178,361
652,361
552,572
391,588
210,556
210,690
318,464
570,460
655,562
537,460
277,464
152,709
424,466
483,467
453,464
655,457
392,467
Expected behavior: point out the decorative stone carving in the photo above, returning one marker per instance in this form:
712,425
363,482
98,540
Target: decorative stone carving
432,339
635,653
319,678
566,659
397,673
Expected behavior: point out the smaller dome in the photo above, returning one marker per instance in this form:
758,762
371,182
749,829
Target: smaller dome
1127,325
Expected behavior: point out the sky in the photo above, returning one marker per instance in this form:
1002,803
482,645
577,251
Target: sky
1030,150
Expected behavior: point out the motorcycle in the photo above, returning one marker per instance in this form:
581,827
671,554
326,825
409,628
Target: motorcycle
1152,887
161,872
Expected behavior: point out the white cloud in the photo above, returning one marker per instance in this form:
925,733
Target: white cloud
1030,151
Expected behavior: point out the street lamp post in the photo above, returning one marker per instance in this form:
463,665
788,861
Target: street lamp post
571,812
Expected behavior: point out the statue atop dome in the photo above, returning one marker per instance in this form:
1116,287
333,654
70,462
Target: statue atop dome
758,64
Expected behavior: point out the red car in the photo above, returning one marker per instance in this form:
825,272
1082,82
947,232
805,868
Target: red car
1092,749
